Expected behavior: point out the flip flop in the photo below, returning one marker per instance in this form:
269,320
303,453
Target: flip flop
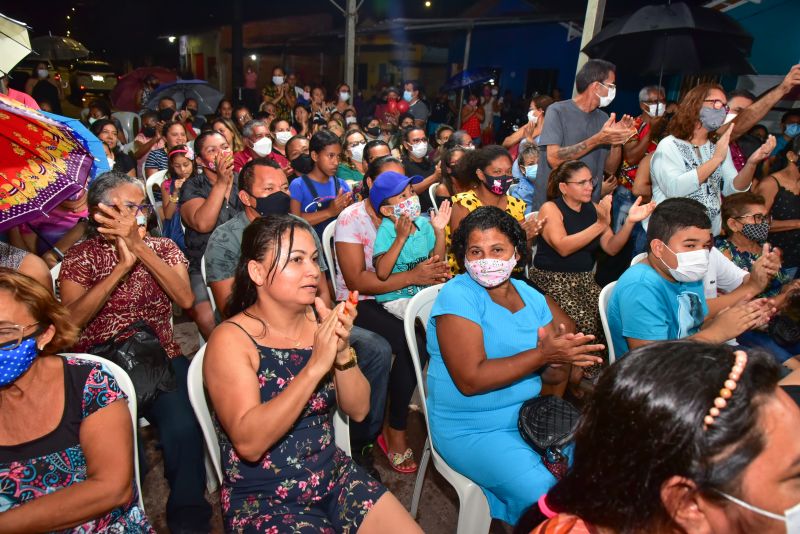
395,458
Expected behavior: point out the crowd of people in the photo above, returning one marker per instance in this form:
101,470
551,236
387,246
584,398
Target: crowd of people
688,214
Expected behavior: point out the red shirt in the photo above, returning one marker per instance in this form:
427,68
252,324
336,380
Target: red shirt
279,158
240,159
137,296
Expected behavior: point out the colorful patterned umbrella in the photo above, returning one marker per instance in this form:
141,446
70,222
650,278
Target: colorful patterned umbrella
41,164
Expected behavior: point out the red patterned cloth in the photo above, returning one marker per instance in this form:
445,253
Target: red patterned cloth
137,297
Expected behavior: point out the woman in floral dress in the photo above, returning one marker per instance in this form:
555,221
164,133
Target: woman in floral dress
273,372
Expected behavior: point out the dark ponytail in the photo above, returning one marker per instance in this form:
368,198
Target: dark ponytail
263,234
560,175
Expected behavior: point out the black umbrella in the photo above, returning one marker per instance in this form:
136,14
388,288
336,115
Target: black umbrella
674,38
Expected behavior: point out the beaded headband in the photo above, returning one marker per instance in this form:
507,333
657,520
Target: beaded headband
728,387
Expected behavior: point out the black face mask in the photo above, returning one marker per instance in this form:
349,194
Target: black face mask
375,131
149,131
192,111
303,164
275,204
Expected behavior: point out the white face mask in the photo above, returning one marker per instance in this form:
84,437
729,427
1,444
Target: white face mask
729,117
263,146
357,152
606,100
42,73
490,272
277,80
656,110
283,137
350,120
494,92
692,265
532,118
419,150
791,516
344,96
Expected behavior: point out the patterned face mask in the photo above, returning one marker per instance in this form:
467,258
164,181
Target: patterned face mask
756,232
14,362
498,185
409,207
490,272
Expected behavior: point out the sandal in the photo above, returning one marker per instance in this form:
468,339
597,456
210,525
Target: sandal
396,460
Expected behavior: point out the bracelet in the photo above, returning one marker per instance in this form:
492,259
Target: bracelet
349,364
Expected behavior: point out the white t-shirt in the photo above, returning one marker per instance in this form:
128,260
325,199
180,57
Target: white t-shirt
354,225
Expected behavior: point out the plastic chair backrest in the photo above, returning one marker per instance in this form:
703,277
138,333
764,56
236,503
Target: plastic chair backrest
639,258
602,304
156,179
129,122
197,398
126,385
54,273
432,194
328,248
208,289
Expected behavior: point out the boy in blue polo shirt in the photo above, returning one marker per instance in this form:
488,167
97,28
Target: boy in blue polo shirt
404,239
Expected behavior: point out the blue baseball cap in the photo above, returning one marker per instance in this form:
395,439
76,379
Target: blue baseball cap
389,184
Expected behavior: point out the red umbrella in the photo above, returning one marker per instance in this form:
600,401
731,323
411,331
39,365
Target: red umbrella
123,97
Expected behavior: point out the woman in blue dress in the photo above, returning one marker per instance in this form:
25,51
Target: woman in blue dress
491,339
273,372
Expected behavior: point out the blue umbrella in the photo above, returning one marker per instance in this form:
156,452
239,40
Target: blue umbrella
467,78
87,139
207,97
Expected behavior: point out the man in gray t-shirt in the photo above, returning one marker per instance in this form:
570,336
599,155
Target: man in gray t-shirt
416,106
578,129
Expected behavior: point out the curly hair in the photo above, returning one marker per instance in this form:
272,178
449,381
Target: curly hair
466,171
488,218
448,169
682,125
560,175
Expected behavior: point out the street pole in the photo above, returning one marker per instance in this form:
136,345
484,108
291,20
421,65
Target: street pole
591,26
467,46
350,43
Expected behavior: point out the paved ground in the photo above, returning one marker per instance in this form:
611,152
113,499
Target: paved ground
438,510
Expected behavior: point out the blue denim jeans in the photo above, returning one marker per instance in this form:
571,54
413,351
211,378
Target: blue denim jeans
183,451
762,340
621,204
374,360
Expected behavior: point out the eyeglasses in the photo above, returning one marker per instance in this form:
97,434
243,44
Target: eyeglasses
608,85
243,118
357,143
144,209
418,141
718,104
11,335
584,183
470,146
758,218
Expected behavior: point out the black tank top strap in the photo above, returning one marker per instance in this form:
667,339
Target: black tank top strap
240,327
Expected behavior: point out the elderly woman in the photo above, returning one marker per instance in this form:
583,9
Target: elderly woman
273,372
116,277
66,447
490,340
682,437
688,164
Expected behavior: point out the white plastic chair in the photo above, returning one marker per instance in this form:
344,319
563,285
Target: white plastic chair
432,194
474,516
126,385
328,247
639,258
199,402
602,304
205,281
54,273
129,122
156,179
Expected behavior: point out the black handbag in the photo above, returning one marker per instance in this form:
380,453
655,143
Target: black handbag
138,351
547,423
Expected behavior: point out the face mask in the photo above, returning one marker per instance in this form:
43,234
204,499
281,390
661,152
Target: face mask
491,272
790,516
606,100
494,92
92,120
14,362
409,207
729,117
498,184
656,110
531,170
192,112
111,162
141,220
532,118
419,150
263,146
212,165
407,96
344,96
42,73
792,129
473,103
692,266
375,131
274,204
277,80
357,152
283,137
711,118
350,120
306,95
756,232
303,164
149,131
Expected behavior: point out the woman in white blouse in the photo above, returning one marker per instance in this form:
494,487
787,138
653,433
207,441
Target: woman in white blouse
686,162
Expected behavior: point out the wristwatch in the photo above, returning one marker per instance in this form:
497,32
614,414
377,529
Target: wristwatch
349,364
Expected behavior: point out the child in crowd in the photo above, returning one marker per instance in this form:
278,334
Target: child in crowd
404,239
528,162
182,166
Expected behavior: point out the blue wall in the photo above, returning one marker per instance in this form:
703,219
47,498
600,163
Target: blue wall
774,27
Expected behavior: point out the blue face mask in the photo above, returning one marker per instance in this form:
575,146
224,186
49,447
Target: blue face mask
14,362
407,96
792,129
531,170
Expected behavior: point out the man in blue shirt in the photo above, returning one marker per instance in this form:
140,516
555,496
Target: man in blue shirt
661,298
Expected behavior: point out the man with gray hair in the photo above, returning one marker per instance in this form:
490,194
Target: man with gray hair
258,144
